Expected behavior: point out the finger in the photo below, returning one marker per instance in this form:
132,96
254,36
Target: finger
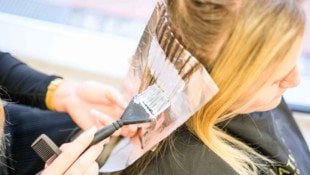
73,151
49,161
129,130
97,91
116,97
93,169
64,146
86,160
82,116
112,111
103,118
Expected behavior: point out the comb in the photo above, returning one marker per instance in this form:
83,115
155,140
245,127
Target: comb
45,147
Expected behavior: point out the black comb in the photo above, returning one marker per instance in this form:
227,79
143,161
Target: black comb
45,147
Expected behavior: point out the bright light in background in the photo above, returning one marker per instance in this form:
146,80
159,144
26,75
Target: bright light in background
299,98
98,36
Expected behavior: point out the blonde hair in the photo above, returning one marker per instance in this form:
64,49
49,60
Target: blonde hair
258,33
2,136
2,119
237,41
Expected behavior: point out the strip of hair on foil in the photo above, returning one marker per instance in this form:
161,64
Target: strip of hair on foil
158,47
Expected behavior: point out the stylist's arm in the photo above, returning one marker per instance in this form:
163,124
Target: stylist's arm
73,160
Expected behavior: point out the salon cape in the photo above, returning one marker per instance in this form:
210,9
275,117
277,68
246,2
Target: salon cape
274,133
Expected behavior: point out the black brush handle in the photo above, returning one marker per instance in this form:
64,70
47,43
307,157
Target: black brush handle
107,131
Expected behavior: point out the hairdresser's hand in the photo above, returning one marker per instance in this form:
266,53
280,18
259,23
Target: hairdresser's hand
78,99
127,130
73,159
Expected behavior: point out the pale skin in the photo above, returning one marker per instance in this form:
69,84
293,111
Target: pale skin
70,161
287,77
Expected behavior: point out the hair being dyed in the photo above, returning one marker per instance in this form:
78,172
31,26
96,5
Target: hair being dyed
237,41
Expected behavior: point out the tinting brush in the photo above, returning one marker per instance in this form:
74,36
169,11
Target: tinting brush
142,108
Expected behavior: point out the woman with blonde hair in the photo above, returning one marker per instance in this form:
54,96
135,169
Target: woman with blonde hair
250,48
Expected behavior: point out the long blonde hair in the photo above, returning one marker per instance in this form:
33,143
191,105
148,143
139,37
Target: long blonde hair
237,41
256,34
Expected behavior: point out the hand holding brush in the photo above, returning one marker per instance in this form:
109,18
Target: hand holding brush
144,107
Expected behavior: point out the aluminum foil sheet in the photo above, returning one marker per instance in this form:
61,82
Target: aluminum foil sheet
157,52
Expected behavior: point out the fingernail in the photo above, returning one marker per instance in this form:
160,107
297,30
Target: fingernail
133,127
91,131
94,111
124,104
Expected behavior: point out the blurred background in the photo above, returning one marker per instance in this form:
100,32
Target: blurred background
94,39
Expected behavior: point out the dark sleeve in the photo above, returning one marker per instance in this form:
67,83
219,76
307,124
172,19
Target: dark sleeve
22,84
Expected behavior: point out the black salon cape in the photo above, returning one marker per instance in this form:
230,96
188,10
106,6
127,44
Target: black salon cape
276,135
273,133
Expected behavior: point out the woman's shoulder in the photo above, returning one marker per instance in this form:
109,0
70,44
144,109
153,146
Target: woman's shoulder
186,154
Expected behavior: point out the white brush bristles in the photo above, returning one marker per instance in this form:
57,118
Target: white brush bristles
166,75
154,99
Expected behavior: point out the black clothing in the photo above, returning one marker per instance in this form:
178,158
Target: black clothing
21,86
273,133
23,125
188,156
